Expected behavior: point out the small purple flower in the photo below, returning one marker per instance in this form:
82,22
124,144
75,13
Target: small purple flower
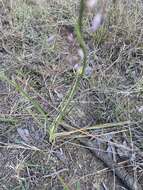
51,39
70,37
88,71
97,22
140,109
91,3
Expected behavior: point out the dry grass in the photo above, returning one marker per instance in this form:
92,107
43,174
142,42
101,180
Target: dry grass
36,70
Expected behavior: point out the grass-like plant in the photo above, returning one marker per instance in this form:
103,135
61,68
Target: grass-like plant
66,101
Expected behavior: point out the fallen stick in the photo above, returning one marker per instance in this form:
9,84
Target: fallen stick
120,172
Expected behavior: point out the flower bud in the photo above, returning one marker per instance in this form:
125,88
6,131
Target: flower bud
81,54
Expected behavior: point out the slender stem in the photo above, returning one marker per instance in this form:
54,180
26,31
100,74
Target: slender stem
81,14
68,98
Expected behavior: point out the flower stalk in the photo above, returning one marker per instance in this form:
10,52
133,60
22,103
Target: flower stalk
68,98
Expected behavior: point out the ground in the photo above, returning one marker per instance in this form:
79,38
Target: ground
37,67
